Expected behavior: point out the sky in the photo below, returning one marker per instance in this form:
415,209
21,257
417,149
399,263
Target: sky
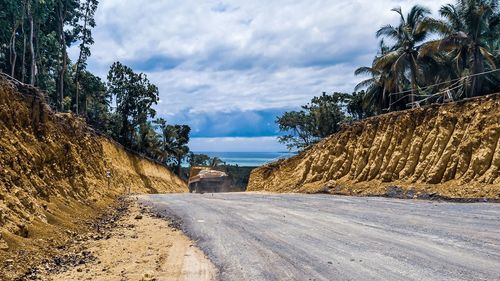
229,68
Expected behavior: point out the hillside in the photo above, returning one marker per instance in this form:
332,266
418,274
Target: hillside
449,151
53,172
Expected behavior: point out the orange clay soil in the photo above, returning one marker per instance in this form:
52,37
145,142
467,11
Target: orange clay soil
53,176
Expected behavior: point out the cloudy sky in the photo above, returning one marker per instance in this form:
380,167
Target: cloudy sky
228,68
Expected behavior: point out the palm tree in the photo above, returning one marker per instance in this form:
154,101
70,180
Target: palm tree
402,59
379,83
470,30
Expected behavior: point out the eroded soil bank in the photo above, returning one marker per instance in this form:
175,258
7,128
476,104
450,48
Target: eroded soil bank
53,176
447,151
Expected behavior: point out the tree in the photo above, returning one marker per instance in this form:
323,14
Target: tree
31,42
470,30
379,85
148,141
135,96
327,111
403,57
298,128
83,32
318,119
358,107
14,11
97,101
176,138
198,159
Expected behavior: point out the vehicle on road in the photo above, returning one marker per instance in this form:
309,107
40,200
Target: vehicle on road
206,179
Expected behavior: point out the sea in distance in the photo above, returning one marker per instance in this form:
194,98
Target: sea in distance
248,159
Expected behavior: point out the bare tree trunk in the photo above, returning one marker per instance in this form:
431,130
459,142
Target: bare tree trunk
62,41
13,54
23,64
179,166
77,102
85,107
80,56
32,47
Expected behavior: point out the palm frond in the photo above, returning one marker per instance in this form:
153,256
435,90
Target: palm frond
450,13
416,14
454,41
490,58
364,84
399,66
388,31
429,48
388,59
365,70
434,25
398,10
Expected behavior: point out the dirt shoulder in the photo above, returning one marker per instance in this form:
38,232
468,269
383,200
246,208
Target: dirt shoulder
129,244
142,247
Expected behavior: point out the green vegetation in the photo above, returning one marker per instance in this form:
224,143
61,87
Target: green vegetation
427,60
320,118
34,36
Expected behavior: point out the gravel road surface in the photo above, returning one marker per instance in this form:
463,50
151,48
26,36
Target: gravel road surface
253,236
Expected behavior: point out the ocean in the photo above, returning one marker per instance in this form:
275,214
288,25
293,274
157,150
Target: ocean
248,159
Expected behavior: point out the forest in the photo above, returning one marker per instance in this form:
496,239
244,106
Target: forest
421,60
34,39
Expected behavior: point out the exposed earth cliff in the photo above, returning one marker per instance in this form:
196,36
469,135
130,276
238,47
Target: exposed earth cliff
54,173
445,151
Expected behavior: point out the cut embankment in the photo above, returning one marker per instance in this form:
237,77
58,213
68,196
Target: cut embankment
448,151
53,173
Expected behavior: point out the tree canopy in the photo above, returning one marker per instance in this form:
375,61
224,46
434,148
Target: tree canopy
34,37
320,118
421,60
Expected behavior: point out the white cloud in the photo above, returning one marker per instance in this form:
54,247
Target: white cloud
223,56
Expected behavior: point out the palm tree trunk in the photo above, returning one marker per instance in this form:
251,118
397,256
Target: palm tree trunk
384,100
413,80
477,67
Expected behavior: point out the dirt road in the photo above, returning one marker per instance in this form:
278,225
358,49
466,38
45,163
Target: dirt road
321,237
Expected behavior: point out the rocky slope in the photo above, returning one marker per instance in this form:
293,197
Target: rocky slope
449,151
53,172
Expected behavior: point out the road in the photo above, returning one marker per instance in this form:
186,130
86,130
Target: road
252,236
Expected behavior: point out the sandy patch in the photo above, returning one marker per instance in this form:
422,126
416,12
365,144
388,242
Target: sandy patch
143,247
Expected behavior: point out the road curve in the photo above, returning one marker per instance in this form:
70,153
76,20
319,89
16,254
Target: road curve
253,236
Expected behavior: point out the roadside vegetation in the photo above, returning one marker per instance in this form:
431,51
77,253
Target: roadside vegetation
34,40
421,60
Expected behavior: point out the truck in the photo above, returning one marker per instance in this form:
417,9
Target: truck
206,179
